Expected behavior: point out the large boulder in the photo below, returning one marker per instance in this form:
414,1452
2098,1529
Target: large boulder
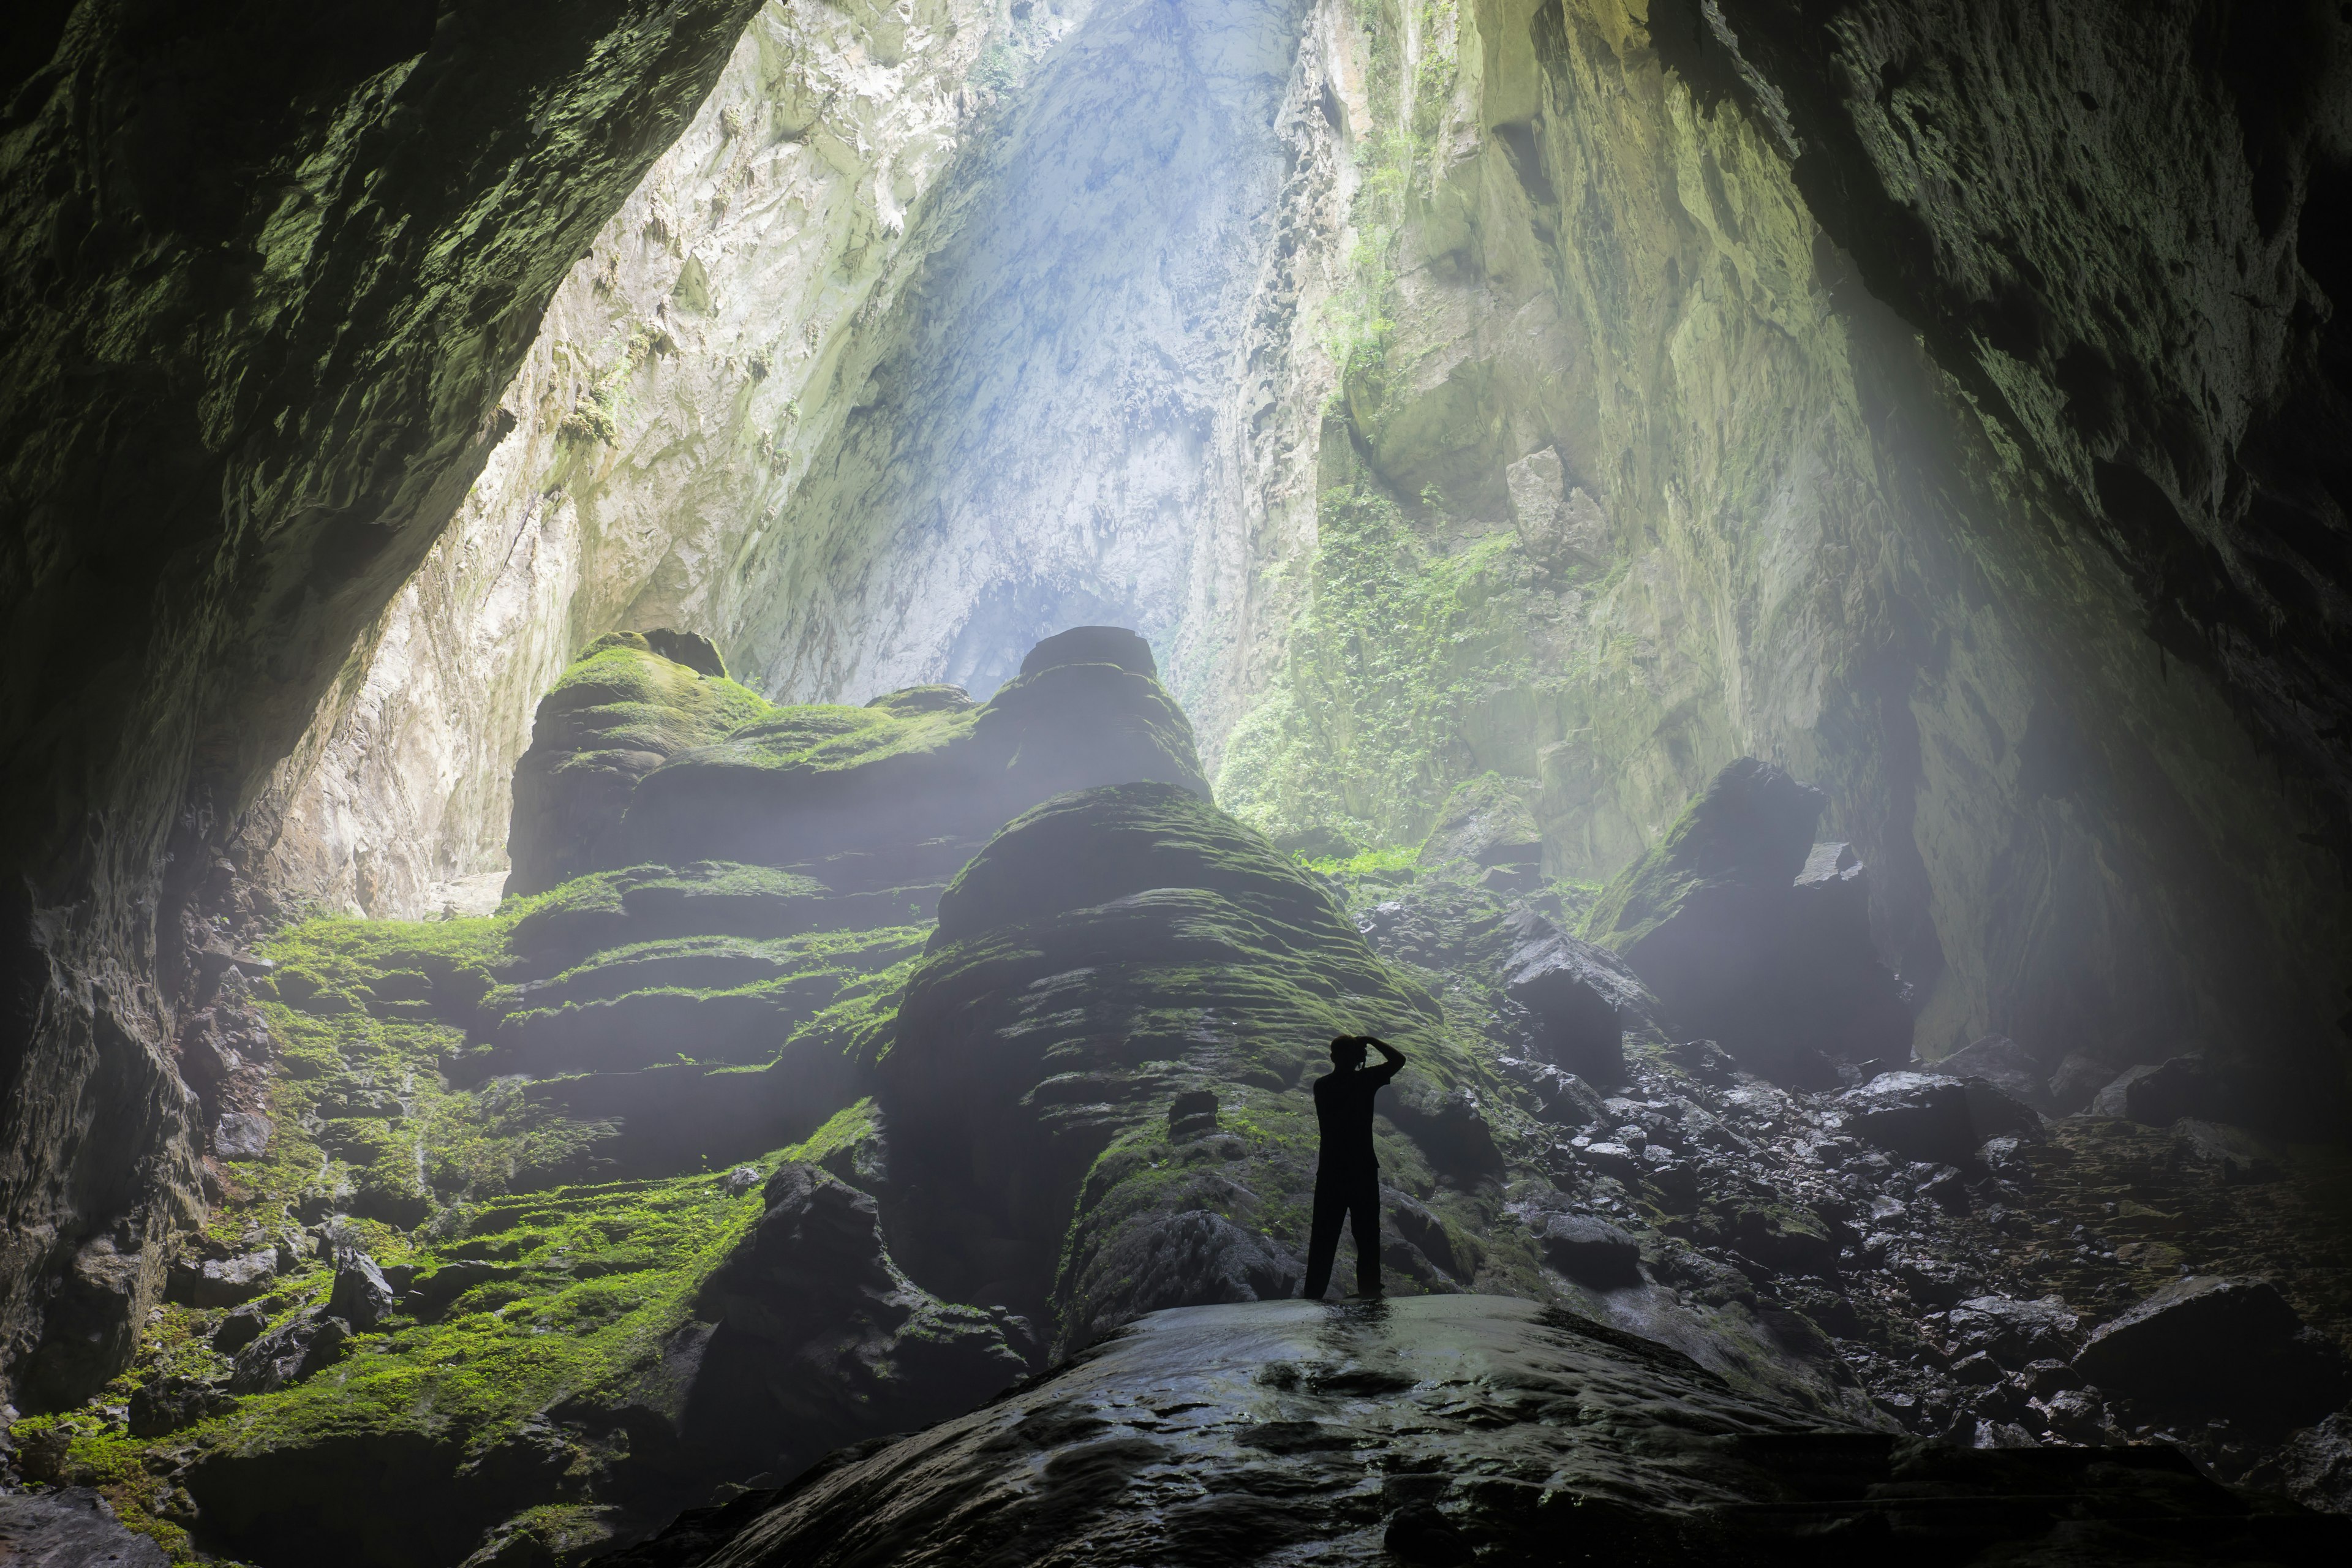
646,754
1581,999
1927,1116
1491,1431
2218,1346
1752,935
902,793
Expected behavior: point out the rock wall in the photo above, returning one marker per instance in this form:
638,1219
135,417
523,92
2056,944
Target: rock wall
265,281
1447,389
1628,474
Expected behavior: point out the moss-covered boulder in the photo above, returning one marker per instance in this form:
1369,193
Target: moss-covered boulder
621,710
903,793
640,760
1115,960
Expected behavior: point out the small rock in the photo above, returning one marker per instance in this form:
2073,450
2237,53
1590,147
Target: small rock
1976,1371
2159,1095
1193,1114
2045,1377
1589,1251
292,1351
1946,1190
2075,1416
1561,1097
1611,1160
241,1135
239,1328
1426,1231
2014,1332
741,1180
1704,1061
362,1297
224,1281
2003,1435
167,1403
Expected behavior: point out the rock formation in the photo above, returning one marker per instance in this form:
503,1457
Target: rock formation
1753,936
1447,1430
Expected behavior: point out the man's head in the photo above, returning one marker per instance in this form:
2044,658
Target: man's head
1347,1052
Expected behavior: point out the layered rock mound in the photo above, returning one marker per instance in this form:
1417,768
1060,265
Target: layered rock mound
1109,958
1452,1430
639,759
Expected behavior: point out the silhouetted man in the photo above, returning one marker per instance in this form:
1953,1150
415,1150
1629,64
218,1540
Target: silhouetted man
1348,1177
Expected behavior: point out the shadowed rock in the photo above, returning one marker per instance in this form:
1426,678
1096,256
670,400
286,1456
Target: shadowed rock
1749,938
1582,998
1927,1116
2215,1344
821,1339
1444,1429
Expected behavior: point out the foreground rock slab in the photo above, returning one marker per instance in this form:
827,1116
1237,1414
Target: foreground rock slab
67,1528
1450,1429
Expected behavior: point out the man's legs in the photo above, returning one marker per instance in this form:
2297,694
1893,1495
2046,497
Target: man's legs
1323,1236
1364,1209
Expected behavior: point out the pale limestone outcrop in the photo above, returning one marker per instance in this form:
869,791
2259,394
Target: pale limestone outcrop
683,372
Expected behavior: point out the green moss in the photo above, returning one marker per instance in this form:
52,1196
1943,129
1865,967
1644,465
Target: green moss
1363,734
1386,863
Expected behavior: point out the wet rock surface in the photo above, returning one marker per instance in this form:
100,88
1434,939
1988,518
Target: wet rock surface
71,1527
1452,1429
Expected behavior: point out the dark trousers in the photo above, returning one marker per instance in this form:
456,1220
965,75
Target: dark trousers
1354,1195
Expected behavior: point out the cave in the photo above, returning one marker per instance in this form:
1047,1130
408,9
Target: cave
781,668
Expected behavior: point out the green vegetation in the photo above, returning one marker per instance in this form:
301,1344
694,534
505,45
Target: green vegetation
1362,736
1387,863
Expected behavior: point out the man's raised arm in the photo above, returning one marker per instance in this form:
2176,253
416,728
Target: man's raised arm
1391,1059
